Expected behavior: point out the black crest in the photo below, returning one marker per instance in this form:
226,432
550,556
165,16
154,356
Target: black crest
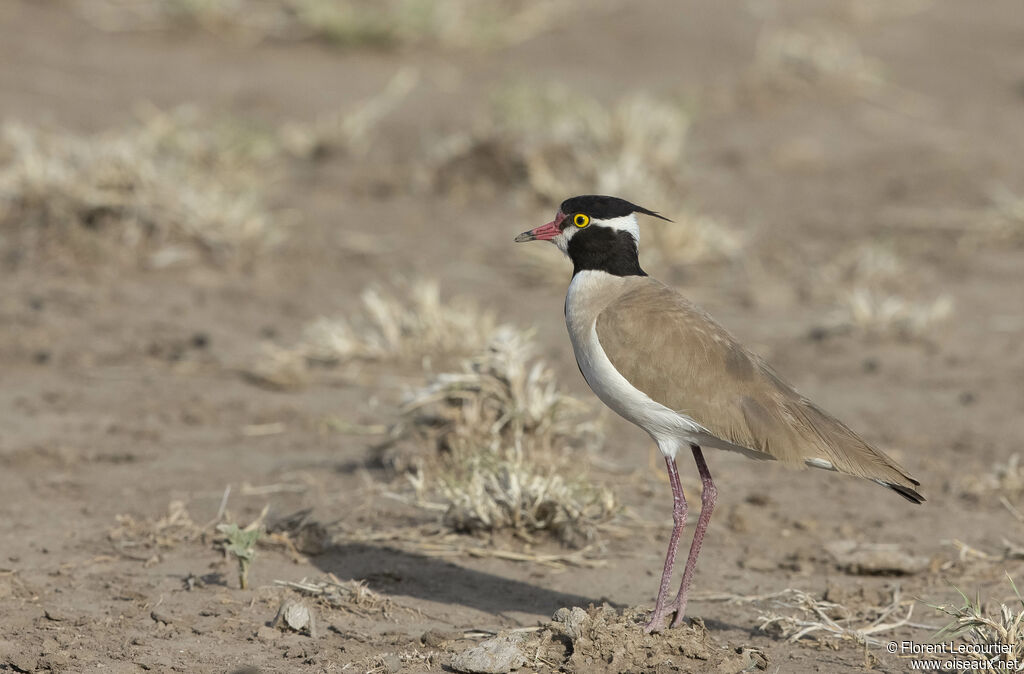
603,207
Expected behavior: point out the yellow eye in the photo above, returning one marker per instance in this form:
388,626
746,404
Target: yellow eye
581,220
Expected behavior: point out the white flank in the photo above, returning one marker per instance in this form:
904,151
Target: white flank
669,429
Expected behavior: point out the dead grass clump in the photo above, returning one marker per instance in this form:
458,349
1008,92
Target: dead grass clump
997,636
1003,224
811,56
457,23
809,616
410,322
1005,479
164,532
793,614
505,436
874,294
552,142
158,193
353,130
352,596
869,311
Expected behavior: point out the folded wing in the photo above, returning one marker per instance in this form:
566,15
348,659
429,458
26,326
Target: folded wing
680,357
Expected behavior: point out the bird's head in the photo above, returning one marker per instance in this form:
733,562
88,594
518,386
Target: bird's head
596,232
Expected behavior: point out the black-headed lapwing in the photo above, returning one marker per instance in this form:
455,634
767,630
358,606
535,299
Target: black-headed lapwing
667,366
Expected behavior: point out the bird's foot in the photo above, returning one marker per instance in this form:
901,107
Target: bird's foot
655,624
658,618
676,610
679,608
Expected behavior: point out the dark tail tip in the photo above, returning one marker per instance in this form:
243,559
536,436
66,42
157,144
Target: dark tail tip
906,492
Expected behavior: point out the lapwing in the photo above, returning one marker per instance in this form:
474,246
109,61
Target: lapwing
664,364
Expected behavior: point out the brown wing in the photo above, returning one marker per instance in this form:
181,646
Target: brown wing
680,357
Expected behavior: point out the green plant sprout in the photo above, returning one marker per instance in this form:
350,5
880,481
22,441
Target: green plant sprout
242,544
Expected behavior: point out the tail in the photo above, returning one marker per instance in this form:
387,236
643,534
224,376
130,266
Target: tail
848,453
911,495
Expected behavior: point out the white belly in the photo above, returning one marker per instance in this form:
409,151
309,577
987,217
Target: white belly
669,429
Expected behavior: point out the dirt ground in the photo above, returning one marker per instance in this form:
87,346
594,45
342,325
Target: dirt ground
121,390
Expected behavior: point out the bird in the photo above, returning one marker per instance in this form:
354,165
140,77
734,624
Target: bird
667,366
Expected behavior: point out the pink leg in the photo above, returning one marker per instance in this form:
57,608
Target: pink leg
707,505
678,521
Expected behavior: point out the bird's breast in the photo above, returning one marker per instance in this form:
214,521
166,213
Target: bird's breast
666,426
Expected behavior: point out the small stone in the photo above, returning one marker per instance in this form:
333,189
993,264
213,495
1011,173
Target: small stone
160,617
55,662
571,621
156,664
54,615
436,638
758,563
296,616
493,656
20,662
884,559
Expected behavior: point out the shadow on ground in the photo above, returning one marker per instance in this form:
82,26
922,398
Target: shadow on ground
397,572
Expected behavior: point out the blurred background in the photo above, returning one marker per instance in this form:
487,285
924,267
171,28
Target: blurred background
258,278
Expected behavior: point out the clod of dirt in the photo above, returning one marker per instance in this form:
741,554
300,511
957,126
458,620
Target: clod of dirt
437,639
495,656
296,616
879,559
605,641
160,617
21,663
55,615
571,621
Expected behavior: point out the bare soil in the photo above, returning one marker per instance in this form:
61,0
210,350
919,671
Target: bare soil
121,392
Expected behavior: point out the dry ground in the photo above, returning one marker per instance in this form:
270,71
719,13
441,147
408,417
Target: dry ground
123,386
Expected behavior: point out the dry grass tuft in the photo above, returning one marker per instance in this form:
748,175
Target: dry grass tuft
382,23
868,311
407,323
553,142
999,636
1002,225
829,621
873,294
352,131
814,56
164,532
504,436
1005,479
410,322
168,190
352,596
794,614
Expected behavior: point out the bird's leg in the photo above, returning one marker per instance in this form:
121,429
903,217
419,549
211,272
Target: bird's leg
678,521
707,505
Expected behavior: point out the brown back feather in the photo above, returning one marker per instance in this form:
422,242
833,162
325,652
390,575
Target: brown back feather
711,378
